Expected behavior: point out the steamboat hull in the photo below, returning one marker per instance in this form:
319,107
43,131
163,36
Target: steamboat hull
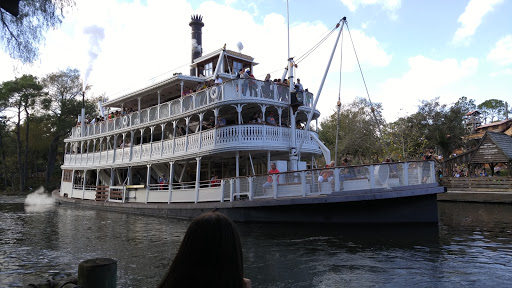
397,205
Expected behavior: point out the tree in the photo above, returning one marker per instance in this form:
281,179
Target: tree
62,104
358,131
22,34
21,94
443,127
493,110
405,138
466,105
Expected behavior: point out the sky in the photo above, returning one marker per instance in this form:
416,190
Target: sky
408,51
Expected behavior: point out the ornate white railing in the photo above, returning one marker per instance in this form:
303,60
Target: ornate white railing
231,90
348,181
256,135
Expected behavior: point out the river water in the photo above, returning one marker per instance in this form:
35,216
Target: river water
471,247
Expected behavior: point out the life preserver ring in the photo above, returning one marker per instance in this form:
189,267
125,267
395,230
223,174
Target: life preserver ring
125,121
214,92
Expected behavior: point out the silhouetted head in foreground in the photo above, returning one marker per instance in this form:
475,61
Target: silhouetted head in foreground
209,256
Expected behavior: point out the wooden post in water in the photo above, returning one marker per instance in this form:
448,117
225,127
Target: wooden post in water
98,273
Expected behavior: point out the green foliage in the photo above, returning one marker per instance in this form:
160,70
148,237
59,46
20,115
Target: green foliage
358,132
493,110
21,36
433,126
53,105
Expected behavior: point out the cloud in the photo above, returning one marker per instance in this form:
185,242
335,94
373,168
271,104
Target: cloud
391,6
501,54
146,43
505,72
472,18
425,80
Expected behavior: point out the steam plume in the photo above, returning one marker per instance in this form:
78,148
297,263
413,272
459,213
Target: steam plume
96,35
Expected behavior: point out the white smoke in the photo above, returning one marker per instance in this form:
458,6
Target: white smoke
195,47
39,201
96,35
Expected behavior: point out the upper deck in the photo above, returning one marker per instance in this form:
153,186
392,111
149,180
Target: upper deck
238,91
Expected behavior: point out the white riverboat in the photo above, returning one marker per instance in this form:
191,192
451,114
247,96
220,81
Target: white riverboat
165,157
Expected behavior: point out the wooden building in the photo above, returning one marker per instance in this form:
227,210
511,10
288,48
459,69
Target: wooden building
494,148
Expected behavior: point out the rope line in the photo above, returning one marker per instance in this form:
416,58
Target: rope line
307,53
364,81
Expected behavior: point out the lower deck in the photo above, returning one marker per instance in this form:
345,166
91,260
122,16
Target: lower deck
158,188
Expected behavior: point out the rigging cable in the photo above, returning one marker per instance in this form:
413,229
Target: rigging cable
367,93
307,53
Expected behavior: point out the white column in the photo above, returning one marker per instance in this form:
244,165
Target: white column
237,173
198,177
124,144
148,178
141,141
108,142
72,184
138,108
187,120
152,128
115,148
171,173
83,184
132,138
162,139
201,117
173,136
158,110
112,177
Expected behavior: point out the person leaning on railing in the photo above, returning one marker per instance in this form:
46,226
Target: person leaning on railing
326,174
273,170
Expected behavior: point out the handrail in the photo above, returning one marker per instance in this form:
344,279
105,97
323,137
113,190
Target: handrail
230,90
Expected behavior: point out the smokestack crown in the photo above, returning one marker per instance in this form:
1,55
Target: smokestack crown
197,24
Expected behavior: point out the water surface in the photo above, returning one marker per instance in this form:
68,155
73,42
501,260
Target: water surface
471,247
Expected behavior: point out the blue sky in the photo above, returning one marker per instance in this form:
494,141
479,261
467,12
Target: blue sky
409,50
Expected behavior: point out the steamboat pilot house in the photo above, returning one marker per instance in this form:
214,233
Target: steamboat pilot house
189,139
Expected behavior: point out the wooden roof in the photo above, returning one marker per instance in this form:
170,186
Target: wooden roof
494,147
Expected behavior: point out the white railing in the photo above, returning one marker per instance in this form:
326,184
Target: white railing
255,134
345,181
231,90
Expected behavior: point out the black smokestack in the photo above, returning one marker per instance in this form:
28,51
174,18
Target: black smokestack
197,50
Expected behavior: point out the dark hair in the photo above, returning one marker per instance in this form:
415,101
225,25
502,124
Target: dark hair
209,256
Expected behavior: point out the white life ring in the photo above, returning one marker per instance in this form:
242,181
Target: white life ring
125,121
214,92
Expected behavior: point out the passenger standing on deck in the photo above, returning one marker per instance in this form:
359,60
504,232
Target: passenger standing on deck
221,122
245,85
218,80
270,119
210,255
273,170
161,181
165,181
299,86
326,174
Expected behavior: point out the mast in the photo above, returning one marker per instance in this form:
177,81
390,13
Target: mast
310,115
293,154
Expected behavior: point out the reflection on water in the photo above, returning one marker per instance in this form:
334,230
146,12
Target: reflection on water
471,246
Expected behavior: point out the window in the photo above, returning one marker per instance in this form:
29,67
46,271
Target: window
208,69
67,175
236,67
